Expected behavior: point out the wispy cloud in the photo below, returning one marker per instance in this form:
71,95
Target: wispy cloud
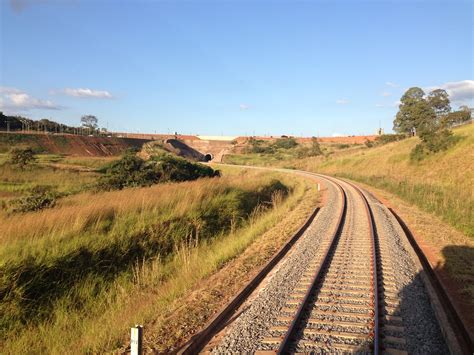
13,99
386,94
379,105
244,107
87,93
342,102
392,85
459,91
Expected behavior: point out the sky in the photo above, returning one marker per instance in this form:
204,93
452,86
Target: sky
312,68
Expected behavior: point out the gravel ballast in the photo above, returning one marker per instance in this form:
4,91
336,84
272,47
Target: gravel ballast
259,313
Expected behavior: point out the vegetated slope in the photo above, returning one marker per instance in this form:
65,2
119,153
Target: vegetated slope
69,144
67,265
442,183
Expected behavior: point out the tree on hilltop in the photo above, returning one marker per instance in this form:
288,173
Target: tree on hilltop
415,113
90,121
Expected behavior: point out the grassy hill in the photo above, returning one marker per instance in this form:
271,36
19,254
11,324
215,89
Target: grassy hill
442,183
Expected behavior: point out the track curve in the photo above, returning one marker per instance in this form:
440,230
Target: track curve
342,288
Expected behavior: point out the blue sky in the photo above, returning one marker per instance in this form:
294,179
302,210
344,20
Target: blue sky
231,67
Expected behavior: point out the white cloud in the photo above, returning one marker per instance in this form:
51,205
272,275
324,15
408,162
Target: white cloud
338,135
459,91
244,107
87,93
392,85
12,99
386,94
342,102
379,105
8,90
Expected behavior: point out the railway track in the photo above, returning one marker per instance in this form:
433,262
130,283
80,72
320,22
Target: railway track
335,306
346,299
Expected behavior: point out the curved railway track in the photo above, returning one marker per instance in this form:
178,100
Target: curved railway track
336,303
346,300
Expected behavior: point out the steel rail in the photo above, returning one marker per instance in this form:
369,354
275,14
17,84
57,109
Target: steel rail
285,344
375,273
217,323
464,341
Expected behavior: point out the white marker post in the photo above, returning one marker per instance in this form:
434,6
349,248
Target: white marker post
136,340
319,186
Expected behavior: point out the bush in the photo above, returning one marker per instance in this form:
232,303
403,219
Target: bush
39,198
432,142
22,157
285,143
132,171
389,138
438,141
172,168
258,146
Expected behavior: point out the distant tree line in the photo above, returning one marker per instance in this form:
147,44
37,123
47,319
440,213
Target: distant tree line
89,125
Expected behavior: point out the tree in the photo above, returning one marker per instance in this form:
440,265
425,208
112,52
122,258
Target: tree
428,117
439,102
415,113
89,121
457,117
22,157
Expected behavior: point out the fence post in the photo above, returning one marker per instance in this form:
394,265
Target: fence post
136,340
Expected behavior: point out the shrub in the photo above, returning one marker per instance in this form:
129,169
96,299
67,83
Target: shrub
432,142
132,171
39,198
285,143
22,157
172,168
369,144
438,141
389,138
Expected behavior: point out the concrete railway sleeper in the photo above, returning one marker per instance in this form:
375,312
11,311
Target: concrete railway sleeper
333,292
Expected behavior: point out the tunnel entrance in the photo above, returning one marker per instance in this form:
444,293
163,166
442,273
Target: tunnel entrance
208,157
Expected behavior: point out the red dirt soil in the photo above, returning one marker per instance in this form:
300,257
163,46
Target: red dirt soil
69,144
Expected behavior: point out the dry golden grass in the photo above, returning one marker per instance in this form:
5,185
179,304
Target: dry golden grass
153,286
442,184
